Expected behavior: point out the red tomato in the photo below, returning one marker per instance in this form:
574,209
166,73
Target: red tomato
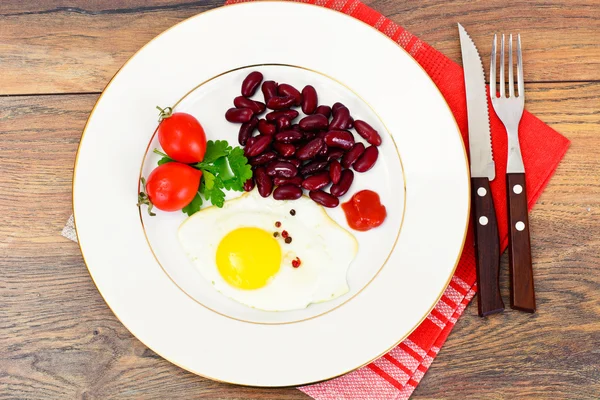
172,186
182,137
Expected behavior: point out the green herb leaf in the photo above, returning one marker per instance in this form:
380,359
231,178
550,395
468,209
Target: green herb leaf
194,206
164,160
209,180
215,150
241,170
223,168
212,189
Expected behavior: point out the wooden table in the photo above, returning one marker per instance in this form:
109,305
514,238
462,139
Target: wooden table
58,339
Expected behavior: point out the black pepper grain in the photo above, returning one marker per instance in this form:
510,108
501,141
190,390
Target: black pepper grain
275,234
288,239
293,212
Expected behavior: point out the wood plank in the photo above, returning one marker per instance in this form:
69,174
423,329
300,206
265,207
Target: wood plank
77,46
60,340
553,353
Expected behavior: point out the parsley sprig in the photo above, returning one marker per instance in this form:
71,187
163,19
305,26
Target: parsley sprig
223,168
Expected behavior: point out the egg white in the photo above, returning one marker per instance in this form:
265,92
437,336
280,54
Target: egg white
324,247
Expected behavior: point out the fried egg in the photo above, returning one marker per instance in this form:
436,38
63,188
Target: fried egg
241,249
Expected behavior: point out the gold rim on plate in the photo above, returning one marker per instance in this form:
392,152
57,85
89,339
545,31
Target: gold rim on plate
324,312
352,369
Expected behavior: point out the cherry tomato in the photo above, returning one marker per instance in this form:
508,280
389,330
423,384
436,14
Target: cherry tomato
181,136
172,186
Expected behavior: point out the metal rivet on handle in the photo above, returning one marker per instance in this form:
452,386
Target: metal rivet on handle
520,225
483,220
518,189
481,192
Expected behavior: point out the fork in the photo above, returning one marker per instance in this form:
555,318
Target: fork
510,109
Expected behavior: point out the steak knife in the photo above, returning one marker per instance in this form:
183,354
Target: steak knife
483,170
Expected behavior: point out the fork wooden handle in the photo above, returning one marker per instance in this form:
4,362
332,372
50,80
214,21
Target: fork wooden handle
522,294
487,248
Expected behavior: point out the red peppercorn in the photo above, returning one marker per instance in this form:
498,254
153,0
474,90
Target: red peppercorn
285,234
296,263
277,224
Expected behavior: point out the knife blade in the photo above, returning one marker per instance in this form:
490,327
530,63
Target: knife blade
483,170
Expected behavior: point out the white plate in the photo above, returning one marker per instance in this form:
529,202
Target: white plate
401,268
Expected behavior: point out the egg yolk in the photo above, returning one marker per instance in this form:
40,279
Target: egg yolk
248,257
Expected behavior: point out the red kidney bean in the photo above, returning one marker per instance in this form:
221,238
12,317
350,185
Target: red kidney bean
324,110
310,149
246,130
310,135
335,171
239,115
309,100
296,181
285,149
334,154
256,106
251,141
341,188
263,182
341,118
367,132
279,103
316,181
312,167
249,185
293,161
324,199
337,106
350,123
287,192
289,136
281,168
274,115
314,122
266,128
269,89
323,151
282,123
352,155
250,83
342,139
288,90
366,161
258,146
263,158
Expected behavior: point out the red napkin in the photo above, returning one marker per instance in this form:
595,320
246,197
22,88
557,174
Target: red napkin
397,374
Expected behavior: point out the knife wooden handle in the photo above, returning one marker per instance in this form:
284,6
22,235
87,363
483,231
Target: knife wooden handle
522,294
487,248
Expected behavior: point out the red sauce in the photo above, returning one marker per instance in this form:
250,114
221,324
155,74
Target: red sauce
364,211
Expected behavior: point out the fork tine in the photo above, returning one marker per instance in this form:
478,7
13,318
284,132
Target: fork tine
511,79
520,67
502,83
493,89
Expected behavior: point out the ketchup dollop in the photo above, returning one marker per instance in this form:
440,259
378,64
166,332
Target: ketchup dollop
364,211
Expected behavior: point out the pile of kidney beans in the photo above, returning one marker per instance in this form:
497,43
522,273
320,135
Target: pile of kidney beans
317,150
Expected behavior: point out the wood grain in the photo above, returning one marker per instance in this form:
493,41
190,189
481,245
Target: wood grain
520,268
76,46
47,353
487,248
58,339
